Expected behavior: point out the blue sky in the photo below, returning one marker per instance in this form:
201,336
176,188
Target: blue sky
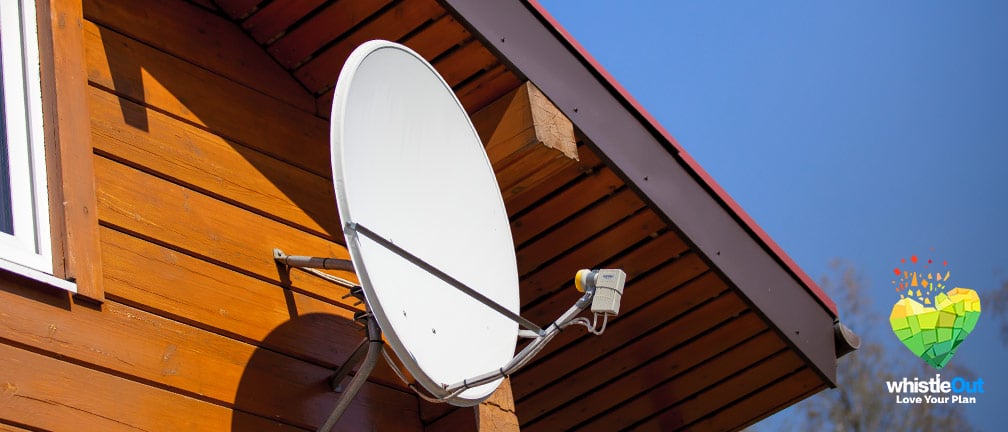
861,130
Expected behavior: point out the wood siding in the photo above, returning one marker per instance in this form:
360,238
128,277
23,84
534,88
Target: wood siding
209,126
207,155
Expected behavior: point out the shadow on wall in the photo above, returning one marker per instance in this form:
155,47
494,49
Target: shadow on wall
298,393
279,153
275,147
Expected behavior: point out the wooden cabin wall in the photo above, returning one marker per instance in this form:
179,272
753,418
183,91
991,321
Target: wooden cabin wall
207,155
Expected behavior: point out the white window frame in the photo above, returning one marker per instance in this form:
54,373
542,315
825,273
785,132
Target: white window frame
29,250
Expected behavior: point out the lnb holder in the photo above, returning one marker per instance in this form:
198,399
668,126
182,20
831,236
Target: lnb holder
607,285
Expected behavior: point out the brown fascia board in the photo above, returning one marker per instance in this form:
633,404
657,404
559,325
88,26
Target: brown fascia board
526,38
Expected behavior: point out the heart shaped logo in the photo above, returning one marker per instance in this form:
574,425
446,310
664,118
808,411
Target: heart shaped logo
934,333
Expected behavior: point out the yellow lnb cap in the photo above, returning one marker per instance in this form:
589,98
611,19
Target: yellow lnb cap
580,279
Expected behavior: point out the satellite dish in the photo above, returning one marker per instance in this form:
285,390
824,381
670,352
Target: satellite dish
408,165
429,236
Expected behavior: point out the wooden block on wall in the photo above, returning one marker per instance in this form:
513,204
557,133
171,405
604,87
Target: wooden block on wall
527,139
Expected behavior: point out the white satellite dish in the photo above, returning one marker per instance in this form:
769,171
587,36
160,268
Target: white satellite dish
409,166
429,236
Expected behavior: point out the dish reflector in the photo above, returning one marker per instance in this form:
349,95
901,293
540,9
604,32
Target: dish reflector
409,166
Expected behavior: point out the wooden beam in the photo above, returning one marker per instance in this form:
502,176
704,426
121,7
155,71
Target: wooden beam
76,251
497,413
527,139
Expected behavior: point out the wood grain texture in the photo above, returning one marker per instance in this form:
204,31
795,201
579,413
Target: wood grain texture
694,339
202,226
521,119
267,24
483,88
593,187
319,73
11,428
589,251
70,155
301,42
126,345
227,170
466,62
238,8
719,382
226,302
53,395
202,38
430,42
550,286
461,419
627,386
541,194
187,92
497,413
663,303
740,414
527,138
583,227
437,38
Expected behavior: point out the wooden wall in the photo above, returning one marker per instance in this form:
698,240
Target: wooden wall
207,156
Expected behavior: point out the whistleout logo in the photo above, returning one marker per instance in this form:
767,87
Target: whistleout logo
929,319
935,390
932,321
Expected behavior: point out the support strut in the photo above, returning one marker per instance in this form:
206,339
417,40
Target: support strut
374,345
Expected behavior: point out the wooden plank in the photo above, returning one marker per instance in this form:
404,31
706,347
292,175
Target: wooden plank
593,187
584,226
557,277
228,170
527,138
576,350
273,20
430,42
493,419
146,348
522,202
52,395
461,419
485,88
465,62
719,388
210,297
529,168
208,4
205,227
202,38
497,413
319,74
614,393
437,38
756,406
11,428
76,254
182,90
328,25
665,352
238,9
543,286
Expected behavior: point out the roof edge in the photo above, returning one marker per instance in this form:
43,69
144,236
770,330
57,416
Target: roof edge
698,171
650,162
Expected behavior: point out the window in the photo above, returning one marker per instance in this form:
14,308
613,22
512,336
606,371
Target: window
25,245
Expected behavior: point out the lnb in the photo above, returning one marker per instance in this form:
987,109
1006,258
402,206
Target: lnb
607,284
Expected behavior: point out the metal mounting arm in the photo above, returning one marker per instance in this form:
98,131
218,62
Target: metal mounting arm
530,351
374,346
